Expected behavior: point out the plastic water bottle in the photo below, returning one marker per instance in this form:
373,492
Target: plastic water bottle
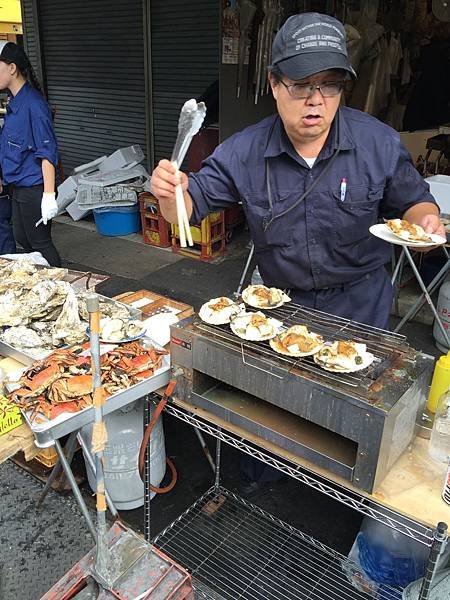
439,447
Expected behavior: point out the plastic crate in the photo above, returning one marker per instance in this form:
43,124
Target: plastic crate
208,238
47,457
155,229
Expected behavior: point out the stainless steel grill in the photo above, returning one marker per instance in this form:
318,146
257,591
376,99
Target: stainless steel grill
239,551
387,347
355,424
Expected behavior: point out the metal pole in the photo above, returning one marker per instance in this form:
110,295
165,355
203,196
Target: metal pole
421,301
91,462
218,452
147,492
75,489
427,295
70,449
98,436
244,273
437,547
205,449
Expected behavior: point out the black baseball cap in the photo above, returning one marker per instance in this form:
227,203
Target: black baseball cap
309,43
12,53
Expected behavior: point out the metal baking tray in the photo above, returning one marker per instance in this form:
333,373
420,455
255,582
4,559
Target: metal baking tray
27,359
46,433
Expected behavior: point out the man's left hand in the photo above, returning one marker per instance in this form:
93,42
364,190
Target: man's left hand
432,224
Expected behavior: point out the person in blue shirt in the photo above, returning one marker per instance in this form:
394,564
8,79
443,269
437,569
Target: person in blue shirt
7,242
312,179
28,154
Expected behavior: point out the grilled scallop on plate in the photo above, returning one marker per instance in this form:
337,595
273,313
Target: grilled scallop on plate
255,326
260,296
219,311
408,231
297,341
344,356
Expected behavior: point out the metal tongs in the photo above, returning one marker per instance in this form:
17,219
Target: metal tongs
191,118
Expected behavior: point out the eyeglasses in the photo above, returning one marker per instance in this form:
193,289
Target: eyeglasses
328,89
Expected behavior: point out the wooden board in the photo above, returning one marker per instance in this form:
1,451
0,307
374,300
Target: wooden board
412,488
21,438
151,303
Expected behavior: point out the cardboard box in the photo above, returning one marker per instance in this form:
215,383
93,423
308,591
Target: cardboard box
416,141
10,416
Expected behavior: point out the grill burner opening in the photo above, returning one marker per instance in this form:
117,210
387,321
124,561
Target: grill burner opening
288,430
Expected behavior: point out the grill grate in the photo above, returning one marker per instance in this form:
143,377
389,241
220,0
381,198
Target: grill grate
241,552
387,347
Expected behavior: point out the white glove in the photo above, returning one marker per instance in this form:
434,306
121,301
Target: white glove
49,207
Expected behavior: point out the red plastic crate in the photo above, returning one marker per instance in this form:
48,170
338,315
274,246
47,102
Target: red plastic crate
155,229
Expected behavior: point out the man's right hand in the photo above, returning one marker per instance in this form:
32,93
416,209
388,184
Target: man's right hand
164,181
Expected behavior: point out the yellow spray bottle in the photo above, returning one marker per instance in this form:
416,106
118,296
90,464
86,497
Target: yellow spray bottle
440,382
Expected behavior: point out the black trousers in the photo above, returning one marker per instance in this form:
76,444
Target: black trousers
26,212
7,243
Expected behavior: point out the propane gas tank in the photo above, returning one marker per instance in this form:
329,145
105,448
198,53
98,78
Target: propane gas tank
125,432
443,309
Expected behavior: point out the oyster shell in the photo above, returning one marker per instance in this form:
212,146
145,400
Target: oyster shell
22,337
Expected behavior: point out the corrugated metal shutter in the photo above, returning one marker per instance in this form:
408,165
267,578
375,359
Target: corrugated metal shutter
93,55
31,35
185,45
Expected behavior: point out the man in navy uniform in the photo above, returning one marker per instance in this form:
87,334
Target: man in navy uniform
312,179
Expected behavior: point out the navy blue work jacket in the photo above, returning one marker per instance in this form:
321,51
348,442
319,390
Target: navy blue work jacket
322,242
26,138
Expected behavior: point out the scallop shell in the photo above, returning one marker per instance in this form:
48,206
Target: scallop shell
220,316
252,296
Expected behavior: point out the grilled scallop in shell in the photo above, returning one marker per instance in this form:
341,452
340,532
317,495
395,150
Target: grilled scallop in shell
297,341
260,296
219,311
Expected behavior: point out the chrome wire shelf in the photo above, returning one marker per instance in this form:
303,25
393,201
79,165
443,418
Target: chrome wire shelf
239,551
363,505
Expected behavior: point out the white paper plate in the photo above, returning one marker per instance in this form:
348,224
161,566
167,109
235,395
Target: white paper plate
367,357
382,231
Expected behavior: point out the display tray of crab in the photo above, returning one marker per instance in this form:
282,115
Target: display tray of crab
56,394
41,311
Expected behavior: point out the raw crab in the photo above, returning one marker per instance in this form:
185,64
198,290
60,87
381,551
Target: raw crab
63,381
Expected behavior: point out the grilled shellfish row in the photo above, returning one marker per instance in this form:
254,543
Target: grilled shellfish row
220,311
297,341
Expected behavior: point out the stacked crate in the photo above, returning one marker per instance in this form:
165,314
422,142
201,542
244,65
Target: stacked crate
155,229
208,238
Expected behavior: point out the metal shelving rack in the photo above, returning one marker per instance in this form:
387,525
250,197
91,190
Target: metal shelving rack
236,550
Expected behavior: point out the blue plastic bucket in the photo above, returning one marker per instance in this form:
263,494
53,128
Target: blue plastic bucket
117,221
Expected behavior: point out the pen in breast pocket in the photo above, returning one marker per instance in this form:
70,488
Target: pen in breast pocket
343,188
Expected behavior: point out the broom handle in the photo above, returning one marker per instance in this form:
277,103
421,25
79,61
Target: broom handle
101,562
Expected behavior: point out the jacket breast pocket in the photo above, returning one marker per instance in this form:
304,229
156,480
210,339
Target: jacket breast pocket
354,215
14,150
267,233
